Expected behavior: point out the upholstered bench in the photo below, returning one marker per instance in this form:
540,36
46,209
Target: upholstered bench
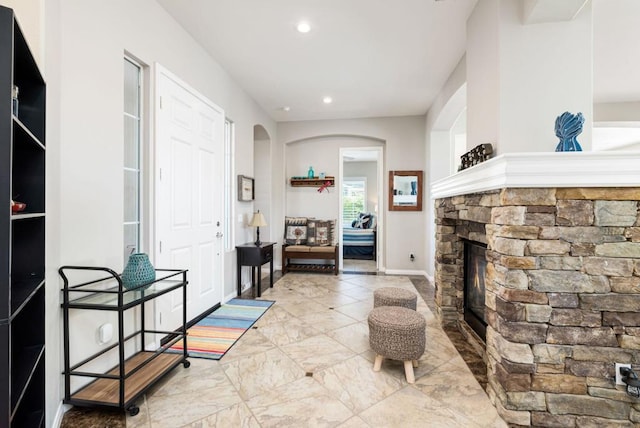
397,333
394,296
309,239
308,252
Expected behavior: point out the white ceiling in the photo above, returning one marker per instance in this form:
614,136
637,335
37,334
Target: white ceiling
373,57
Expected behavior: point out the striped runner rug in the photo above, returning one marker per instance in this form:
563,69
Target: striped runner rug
215,334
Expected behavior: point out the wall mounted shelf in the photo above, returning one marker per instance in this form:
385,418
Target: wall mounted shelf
312,182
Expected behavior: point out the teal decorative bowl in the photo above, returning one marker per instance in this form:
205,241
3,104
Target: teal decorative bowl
139,272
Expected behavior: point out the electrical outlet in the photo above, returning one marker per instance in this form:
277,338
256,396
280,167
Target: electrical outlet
618,375
411,257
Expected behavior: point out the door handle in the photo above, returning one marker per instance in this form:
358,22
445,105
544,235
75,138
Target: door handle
219,235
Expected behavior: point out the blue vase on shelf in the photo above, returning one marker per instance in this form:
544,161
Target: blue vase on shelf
311,173
568,126
139,272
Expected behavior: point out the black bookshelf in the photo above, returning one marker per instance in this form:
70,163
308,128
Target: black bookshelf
22,234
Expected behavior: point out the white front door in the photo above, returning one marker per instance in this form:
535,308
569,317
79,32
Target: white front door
189,197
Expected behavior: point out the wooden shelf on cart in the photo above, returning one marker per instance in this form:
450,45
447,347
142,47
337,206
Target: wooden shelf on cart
105,391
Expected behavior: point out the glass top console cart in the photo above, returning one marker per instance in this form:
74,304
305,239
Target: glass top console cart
122,369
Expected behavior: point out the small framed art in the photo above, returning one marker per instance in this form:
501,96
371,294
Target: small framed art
245,188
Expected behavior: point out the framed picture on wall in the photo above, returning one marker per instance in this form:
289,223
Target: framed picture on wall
245,188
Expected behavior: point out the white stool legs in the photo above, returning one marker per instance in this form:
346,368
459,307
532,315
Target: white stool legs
378,363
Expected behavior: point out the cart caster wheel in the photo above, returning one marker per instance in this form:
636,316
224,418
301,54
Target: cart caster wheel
133,410
186,364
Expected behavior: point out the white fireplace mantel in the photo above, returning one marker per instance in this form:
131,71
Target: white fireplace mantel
544,169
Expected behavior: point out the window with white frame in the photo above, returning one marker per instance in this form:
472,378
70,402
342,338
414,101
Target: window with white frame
132,157
229,146
354,199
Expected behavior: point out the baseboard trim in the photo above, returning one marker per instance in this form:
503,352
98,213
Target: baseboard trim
62,409
232,295
406,272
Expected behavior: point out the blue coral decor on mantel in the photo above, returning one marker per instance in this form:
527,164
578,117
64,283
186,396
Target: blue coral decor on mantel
568,127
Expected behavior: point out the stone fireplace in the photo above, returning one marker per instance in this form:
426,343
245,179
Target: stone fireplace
562,281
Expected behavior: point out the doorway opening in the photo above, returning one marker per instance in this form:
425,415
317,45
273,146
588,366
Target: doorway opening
360,204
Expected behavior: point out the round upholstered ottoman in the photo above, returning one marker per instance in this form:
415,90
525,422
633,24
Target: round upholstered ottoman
393,296
397,333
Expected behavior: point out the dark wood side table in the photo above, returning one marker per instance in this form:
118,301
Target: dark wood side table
253,255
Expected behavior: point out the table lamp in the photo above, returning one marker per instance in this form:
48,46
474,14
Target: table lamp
256,221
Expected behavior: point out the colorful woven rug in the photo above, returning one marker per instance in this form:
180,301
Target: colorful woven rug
215,334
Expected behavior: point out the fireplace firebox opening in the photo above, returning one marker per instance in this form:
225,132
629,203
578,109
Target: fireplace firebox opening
475,263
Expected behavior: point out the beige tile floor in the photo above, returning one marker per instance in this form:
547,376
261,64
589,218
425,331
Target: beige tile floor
355,265
307,363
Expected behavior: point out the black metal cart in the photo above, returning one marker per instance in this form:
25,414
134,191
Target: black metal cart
136,370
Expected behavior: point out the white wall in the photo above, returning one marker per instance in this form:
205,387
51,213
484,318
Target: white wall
612,137
85,44
262,186
323,154
521,77
95,124
404,149
458,141
616,112
483,74
443,114
545,70
368,170
30,18
53,331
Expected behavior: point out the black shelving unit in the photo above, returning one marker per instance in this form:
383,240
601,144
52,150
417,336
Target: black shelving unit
22,235
137,369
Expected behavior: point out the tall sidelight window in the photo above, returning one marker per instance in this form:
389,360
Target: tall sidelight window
354,199
132,157
229,182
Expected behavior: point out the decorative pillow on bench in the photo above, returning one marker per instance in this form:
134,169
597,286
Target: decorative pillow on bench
295,230
309,231
319,232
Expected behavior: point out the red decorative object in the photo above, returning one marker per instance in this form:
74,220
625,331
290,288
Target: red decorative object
18,206
324,186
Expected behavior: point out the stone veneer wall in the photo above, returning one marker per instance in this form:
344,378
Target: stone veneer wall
562,295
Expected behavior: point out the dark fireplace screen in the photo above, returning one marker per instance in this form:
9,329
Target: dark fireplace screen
475,264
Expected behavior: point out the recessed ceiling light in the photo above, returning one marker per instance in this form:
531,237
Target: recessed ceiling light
286,108
303,27
327,100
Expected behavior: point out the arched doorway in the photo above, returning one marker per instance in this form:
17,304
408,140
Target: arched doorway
262,176
325,154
